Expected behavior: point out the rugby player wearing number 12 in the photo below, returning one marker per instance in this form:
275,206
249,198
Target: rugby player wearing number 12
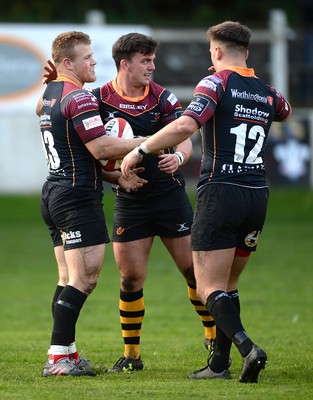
235,110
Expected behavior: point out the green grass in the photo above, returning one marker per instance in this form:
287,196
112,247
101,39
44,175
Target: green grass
276,296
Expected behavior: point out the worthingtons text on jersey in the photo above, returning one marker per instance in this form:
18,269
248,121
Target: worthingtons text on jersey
248,96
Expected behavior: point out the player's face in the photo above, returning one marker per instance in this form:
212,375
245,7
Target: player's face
140,69
84,64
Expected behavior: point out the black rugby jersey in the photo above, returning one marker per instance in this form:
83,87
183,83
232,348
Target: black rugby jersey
235,110
69,118
146,115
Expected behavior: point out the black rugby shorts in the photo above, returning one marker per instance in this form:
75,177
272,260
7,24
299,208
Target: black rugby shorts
74,217
228,216
167,215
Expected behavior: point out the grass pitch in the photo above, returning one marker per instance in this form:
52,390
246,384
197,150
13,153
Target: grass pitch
276,296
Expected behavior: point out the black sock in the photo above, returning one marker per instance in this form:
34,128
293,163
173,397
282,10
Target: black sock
220,359
66,313
227,318
219,362
224,312
58,291
243,342
234,295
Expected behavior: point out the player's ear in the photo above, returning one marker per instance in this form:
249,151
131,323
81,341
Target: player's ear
218,52
124,64
67,63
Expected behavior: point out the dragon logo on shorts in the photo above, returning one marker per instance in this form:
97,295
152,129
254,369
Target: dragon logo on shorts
120,231
251,240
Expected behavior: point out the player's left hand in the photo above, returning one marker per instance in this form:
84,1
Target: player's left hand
51,72
168,163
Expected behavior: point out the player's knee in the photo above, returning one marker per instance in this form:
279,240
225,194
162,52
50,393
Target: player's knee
131,283
90,285
189,275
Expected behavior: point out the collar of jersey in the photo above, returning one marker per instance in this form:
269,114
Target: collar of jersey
132,99
242,71
63,78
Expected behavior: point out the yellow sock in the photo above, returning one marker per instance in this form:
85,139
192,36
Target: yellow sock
206,319
132,311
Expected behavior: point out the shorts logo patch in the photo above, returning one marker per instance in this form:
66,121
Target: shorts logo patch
71,237
120,231
251,240
182,227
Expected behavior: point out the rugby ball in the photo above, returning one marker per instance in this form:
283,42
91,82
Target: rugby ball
120,128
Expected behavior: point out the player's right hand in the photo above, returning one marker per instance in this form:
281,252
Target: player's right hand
133,182
51,72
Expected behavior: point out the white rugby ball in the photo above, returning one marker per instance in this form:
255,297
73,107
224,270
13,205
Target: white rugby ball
120,128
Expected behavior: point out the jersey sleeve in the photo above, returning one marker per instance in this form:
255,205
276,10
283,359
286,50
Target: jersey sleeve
82,108
283,110
205,98
171,107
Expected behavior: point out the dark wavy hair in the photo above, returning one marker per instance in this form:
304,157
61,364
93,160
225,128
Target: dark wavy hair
128,45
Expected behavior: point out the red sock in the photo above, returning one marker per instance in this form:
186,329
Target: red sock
75,356
54,358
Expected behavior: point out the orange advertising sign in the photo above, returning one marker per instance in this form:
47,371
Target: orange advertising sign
21,65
